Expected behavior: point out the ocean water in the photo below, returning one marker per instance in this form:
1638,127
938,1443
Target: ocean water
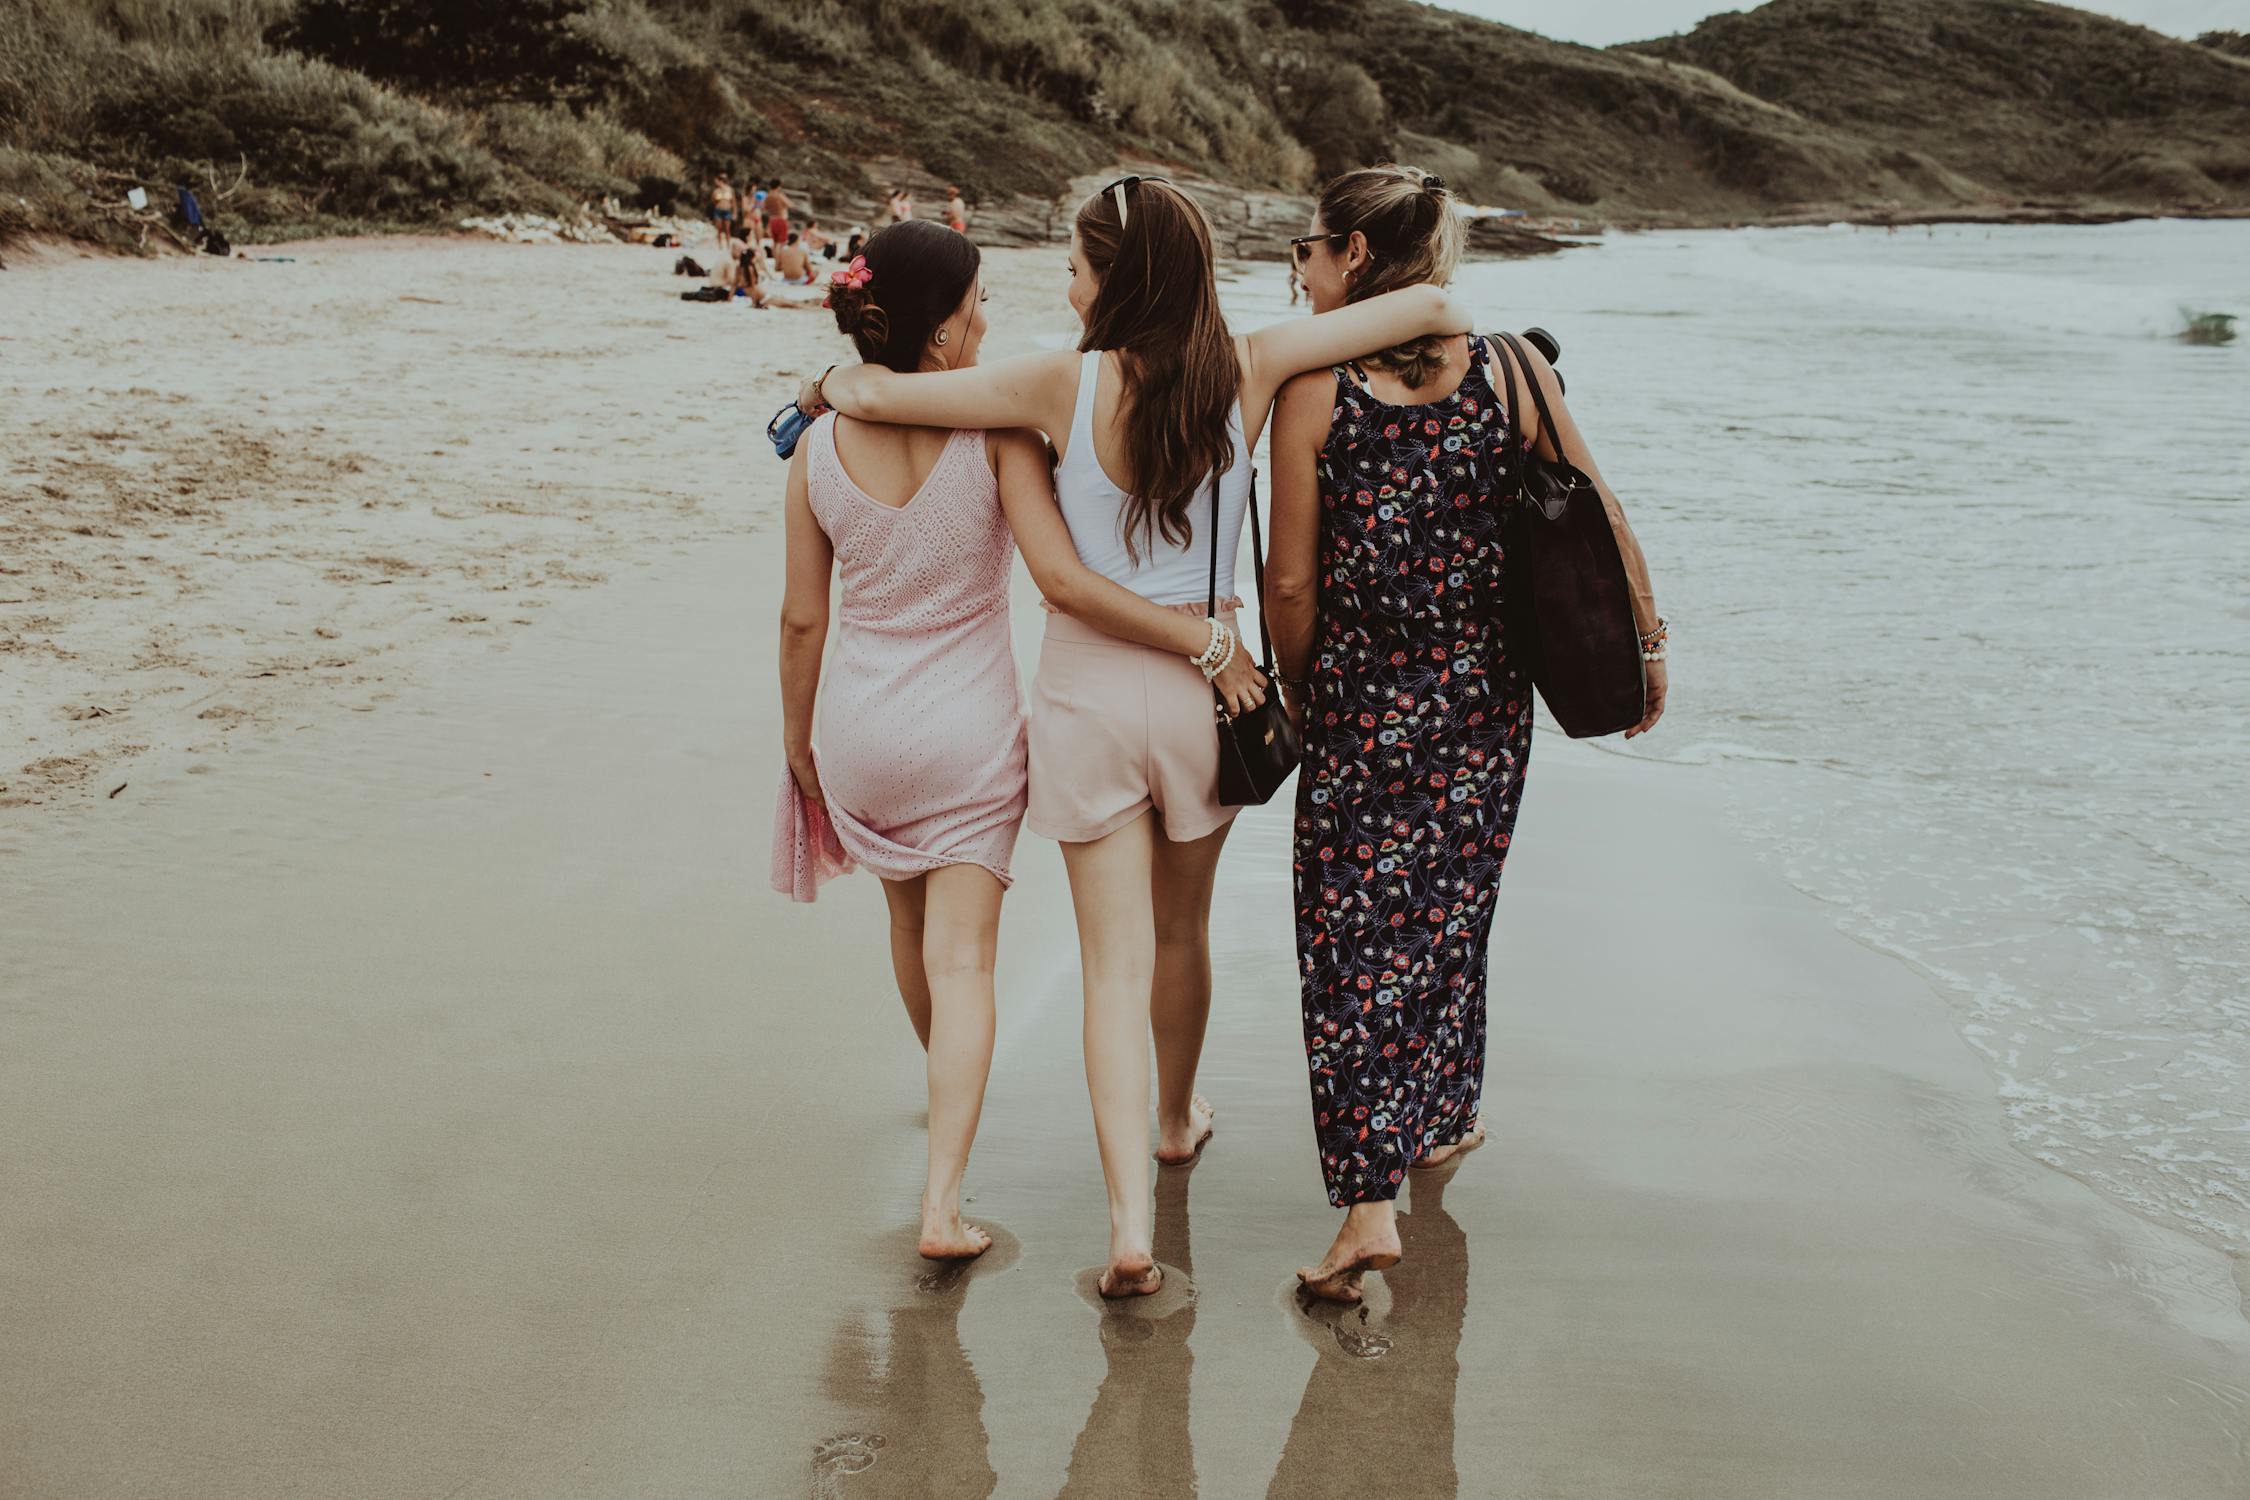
1955,542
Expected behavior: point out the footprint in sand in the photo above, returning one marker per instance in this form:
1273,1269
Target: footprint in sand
845,1453
1359,1341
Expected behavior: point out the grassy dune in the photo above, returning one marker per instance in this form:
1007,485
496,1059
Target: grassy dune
294,116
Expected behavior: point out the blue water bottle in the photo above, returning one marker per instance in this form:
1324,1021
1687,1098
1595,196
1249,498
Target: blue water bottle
787,426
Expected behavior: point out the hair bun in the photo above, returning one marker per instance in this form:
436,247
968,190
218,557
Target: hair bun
858,315
1433,184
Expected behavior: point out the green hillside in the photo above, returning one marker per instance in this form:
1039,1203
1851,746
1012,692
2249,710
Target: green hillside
294,116
2027,99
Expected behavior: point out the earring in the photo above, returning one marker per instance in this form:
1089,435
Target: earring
941,335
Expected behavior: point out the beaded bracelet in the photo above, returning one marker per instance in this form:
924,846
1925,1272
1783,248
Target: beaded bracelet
1653,642
1212,670
1211,650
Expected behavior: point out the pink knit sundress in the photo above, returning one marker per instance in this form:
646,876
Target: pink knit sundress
920,744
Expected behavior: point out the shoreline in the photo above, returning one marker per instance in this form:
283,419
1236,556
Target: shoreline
1027,224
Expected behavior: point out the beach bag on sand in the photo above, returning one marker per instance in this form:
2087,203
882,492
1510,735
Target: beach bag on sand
707,294
1258,749
1569,611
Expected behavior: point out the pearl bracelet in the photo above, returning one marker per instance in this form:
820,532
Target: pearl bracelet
1215,652
1212,669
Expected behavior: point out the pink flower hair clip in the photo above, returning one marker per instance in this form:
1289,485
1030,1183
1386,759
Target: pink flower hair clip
855,275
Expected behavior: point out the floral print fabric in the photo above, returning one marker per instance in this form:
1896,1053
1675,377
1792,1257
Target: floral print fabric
1417,731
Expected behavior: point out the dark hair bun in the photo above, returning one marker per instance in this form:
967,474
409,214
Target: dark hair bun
858,315
911,277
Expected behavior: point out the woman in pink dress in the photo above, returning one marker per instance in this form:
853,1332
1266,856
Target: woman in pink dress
920,774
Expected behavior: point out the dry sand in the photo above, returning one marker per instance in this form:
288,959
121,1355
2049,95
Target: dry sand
434,1102
236,494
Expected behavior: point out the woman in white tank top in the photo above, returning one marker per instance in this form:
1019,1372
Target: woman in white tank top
1124,752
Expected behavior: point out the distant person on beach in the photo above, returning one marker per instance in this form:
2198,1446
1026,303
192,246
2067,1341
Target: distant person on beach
956,211
722,210
817,243
1388,608
792,262
777,215
919,769
902,205
1124,755
739,272
856,243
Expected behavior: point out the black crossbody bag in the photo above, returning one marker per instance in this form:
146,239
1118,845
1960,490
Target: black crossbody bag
1258,749
1570,604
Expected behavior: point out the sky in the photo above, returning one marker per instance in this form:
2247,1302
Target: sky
1599,23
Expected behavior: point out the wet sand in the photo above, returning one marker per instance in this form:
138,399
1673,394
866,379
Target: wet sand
433,1101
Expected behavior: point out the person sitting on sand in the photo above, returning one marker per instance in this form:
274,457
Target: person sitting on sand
739,273
817,243
792,262
902,205
920,770
722,210
956,211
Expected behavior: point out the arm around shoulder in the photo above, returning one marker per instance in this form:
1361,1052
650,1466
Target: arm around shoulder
1280,350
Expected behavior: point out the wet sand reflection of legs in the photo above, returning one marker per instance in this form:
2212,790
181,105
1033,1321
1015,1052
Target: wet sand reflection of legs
1135,1445
1402,1362
917,1407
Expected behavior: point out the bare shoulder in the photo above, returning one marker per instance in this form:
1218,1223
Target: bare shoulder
1015,445
1306,402
1314,388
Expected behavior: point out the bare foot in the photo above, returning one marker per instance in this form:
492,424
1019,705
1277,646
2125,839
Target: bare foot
1358,1249
1440,1155
1179,1151
953,1238
1133,1274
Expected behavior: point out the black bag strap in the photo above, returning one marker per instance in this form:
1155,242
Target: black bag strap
1257,564
1508,374
1538,397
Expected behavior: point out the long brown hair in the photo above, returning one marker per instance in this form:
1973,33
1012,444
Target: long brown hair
1159,306
1413,235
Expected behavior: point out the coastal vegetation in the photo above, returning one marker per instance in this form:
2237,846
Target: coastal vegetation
295,116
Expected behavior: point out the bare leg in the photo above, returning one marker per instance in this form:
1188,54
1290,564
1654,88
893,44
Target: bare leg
1368,1241
960,933
1109,886
907,899
1180,1004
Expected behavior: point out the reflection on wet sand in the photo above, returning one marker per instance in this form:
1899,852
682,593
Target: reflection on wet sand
922,1432
1377,1415
1135,1442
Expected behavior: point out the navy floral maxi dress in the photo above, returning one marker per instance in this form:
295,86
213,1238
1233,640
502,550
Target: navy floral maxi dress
1417,731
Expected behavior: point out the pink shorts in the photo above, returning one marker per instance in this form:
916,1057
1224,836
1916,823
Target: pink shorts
1116,729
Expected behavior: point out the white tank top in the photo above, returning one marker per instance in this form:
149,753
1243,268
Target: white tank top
1094,508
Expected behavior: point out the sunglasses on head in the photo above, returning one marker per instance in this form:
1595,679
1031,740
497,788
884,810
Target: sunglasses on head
1120,188
1300,248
